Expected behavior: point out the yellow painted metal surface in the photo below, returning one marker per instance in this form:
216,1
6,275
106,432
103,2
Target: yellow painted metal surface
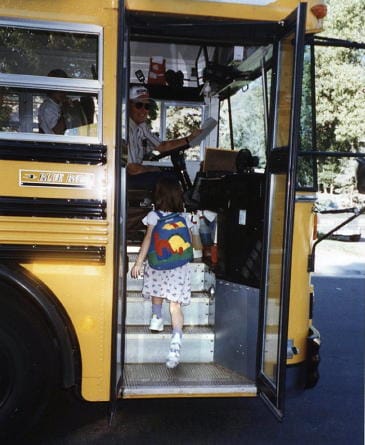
53,231
272,11
300,287
85,291
53,180
82,11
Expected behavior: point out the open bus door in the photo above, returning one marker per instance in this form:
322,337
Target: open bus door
206,340
281,168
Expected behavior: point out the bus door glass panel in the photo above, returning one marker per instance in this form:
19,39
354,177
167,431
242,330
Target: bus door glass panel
307,165
248,124
120,246
283,141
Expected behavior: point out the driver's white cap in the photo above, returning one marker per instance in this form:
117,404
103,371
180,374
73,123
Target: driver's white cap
139,93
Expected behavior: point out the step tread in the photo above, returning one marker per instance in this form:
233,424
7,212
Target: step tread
188,330
187,379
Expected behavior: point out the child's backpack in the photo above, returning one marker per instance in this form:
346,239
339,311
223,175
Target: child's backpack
170,243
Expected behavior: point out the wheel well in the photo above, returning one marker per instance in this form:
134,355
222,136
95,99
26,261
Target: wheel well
32,291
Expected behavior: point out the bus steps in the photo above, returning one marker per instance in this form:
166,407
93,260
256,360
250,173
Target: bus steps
188,379
145,372
142,346
199,312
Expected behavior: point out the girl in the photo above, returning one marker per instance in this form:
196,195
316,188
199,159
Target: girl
173,284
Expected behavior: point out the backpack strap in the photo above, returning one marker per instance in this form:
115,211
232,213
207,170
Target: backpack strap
169,215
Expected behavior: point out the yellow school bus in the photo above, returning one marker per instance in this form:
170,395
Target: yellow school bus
71,316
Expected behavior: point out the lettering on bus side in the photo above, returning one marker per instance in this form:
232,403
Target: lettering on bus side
42,178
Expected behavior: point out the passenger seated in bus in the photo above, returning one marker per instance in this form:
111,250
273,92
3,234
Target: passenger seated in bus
141,142
171,284
59,113
51,119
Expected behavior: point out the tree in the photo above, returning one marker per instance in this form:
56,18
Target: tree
340,86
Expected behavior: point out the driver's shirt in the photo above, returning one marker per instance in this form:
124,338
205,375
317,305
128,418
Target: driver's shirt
141,142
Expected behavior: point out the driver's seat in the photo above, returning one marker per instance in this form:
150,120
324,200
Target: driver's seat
139,203
140,200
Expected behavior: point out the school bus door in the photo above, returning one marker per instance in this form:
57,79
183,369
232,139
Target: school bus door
282,152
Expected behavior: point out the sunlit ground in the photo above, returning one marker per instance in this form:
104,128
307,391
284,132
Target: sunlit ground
341,258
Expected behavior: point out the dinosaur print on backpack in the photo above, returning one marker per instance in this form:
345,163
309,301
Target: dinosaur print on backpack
170,243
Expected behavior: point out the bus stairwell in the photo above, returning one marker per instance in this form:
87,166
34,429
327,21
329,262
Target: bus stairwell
199,374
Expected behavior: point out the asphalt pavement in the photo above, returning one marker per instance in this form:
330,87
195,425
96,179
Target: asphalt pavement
331,413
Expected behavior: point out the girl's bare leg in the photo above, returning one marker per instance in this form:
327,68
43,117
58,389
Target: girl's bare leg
177,320
177,317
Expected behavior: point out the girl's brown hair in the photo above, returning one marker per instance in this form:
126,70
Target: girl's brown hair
168,195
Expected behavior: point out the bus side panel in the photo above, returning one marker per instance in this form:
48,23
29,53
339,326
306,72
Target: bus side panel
84,288
299,319
276,11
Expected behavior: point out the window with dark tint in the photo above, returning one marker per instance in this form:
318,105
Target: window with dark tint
49,81
37,52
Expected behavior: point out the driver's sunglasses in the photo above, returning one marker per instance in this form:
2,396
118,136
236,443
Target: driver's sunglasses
139,105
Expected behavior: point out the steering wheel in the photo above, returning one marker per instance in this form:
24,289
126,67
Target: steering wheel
172,152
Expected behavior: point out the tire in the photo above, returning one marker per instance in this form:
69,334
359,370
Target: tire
29,365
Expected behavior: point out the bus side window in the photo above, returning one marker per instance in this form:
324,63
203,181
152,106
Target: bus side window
42,70
20,111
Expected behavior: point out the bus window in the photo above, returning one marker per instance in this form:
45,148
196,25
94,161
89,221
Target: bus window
50,85
174,120
35,52
248,121
21,109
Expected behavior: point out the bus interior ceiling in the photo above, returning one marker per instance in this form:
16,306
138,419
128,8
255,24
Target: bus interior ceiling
221,327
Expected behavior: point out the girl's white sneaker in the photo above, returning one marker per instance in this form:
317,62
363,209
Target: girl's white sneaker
173,358
156,324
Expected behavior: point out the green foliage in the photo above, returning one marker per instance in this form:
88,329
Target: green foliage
182,121
340,86
340,81
28,51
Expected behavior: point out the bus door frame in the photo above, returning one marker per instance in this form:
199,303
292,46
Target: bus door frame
282,160
120,214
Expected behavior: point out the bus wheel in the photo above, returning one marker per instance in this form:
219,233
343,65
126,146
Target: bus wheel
28,365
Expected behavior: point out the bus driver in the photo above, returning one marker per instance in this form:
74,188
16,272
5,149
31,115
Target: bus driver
142,141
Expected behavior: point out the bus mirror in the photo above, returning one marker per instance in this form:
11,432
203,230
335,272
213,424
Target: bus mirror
360,175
